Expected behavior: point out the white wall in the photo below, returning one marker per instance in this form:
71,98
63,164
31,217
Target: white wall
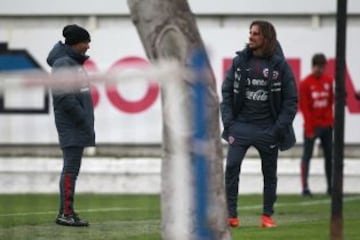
303,27
110,45
212,7
143,176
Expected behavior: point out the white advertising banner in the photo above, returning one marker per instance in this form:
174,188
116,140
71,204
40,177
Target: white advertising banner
131,111
116,7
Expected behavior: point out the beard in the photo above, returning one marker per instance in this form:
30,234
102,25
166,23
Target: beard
253,46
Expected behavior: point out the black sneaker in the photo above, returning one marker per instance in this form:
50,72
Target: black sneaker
307,193
71,220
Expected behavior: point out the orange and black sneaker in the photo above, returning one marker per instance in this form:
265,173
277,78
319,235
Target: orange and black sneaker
233,222
267,222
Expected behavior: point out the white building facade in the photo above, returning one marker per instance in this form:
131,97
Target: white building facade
303,28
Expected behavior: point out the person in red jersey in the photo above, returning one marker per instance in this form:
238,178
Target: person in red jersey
316,105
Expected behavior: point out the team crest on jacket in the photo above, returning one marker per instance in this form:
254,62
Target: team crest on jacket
266,72
275,74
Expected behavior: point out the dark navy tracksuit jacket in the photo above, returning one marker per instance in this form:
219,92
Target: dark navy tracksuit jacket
74,111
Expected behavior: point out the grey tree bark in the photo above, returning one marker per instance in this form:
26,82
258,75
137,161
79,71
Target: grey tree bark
168,29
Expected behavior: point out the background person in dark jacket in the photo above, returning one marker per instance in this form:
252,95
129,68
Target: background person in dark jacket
74,114
258,107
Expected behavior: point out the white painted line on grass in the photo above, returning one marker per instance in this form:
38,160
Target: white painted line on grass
84,210
121,209
307,203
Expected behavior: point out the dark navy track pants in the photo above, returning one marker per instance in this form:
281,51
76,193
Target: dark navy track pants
246,135
71,166
326,138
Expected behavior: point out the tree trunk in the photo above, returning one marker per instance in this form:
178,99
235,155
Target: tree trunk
168,29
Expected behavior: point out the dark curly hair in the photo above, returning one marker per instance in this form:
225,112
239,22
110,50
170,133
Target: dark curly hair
269,33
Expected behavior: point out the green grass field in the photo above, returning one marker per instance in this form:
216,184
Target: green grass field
134,217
